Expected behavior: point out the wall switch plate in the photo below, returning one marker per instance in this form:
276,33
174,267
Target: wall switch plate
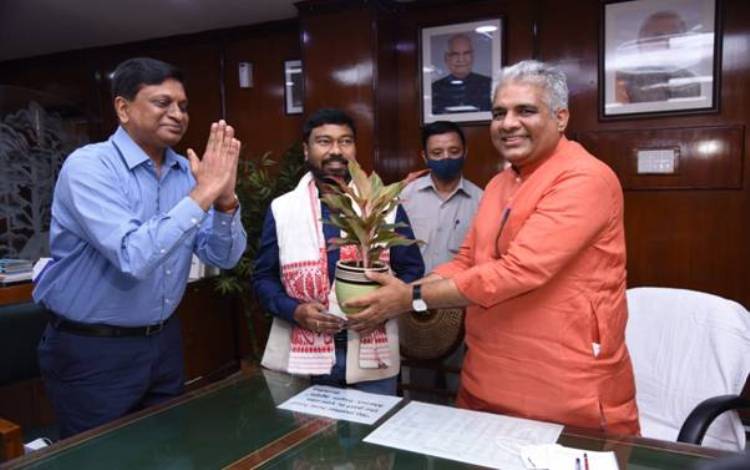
657,161
246,74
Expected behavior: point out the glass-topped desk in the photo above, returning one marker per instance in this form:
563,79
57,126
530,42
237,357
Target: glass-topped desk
235,424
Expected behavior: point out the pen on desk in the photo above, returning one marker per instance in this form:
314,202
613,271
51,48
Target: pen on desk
585,461
578,463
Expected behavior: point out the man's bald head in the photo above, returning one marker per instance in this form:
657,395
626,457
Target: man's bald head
459,56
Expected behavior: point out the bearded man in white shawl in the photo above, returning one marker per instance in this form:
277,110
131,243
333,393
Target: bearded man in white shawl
294,273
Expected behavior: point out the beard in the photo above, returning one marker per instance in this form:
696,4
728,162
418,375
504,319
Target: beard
323,175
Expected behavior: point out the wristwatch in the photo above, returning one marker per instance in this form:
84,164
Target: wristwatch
235,205
417,302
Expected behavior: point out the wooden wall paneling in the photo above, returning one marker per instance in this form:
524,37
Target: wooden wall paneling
386,93
694,239
339,61
63,83
209,331
707,157
258,112
483,161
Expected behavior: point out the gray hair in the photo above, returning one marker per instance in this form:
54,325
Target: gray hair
550,78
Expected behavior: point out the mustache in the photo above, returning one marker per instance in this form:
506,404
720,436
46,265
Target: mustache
335,158
321,175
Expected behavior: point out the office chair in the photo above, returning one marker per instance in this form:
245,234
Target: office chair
21,326
691,359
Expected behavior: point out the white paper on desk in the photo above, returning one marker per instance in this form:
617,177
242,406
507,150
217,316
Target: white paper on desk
557,457
466,436
341,403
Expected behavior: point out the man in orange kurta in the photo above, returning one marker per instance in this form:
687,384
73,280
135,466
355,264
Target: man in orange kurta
542,271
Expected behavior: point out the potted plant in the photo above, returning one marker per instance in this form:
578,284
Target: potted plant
364,210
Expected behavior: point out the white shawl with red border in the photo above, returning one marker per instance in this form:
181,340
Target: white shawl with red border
304,274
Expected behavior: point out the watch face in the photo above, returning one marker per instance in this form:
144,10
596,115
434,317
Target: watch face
419,305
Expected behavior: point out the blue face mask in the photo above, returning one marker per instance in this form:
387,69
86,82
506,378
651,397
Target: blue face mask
446,169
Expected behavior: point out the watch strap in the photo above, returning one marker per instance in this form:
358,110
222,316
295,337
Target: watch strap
416,292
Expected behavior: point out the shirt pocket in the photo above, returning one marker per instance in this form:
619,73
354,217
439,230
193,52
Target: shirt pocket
421,226
457,235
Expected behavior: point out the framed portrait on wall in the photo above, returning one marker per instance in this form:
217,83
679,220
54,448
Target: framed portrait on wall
459,63
659,56
293,87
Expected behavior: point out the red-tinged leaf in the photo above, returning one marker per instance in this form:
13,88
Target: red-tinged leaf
414,175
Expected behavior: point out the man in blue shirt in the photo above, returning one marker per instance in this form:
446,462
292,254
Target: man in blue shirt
127,216
293,283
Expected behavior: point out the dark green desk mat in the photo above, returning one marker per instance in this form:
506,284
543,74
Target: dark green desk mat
206,430
220,425
341,447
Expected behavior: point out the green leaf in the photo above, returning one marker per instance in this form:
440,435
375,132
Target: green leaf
402,242
394,226
360,180
340,203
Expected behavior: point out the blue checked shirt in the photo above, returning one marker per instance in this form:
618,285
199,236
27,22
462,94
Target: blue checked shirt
122,238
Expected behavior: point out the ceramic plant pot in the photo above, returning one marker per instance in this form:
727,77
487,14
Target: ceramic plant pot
351,282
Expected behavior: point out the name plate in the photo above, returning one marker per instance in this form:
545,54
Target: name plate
341,403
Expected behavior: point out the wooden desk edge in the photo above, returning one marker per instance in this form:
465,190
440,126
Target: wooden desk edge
65,444
648,443
317,425
16,293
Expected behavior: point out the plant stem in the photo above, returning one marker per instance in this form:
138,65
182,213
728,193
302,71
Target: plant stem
365,253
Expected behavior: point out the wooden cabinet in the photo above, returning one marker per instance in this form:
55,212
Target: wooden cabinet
212,328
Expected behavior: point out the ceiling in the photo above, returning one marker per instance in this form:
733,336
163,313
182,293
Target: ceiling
36,27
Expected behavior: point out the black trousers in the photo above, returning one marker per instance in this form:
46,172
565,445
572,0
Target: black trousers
92,380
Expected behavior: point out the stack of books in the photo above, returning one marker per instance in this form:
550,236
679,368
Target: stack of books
15,270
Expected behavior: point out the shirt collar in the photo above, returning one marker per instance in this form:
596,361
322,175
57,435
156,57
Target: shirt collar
134,154
173,160
425,182
527,170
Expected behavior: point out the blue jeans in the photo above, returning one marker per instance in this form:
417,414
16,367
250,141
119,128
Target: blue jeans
337,377
93,380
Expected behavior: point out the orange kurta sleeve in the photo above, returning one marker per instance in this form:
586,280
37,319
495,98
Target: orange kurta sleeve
577,207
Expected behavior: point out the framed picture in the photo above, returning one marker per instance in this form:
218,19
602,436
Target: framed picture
459,63
659,56
293,86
